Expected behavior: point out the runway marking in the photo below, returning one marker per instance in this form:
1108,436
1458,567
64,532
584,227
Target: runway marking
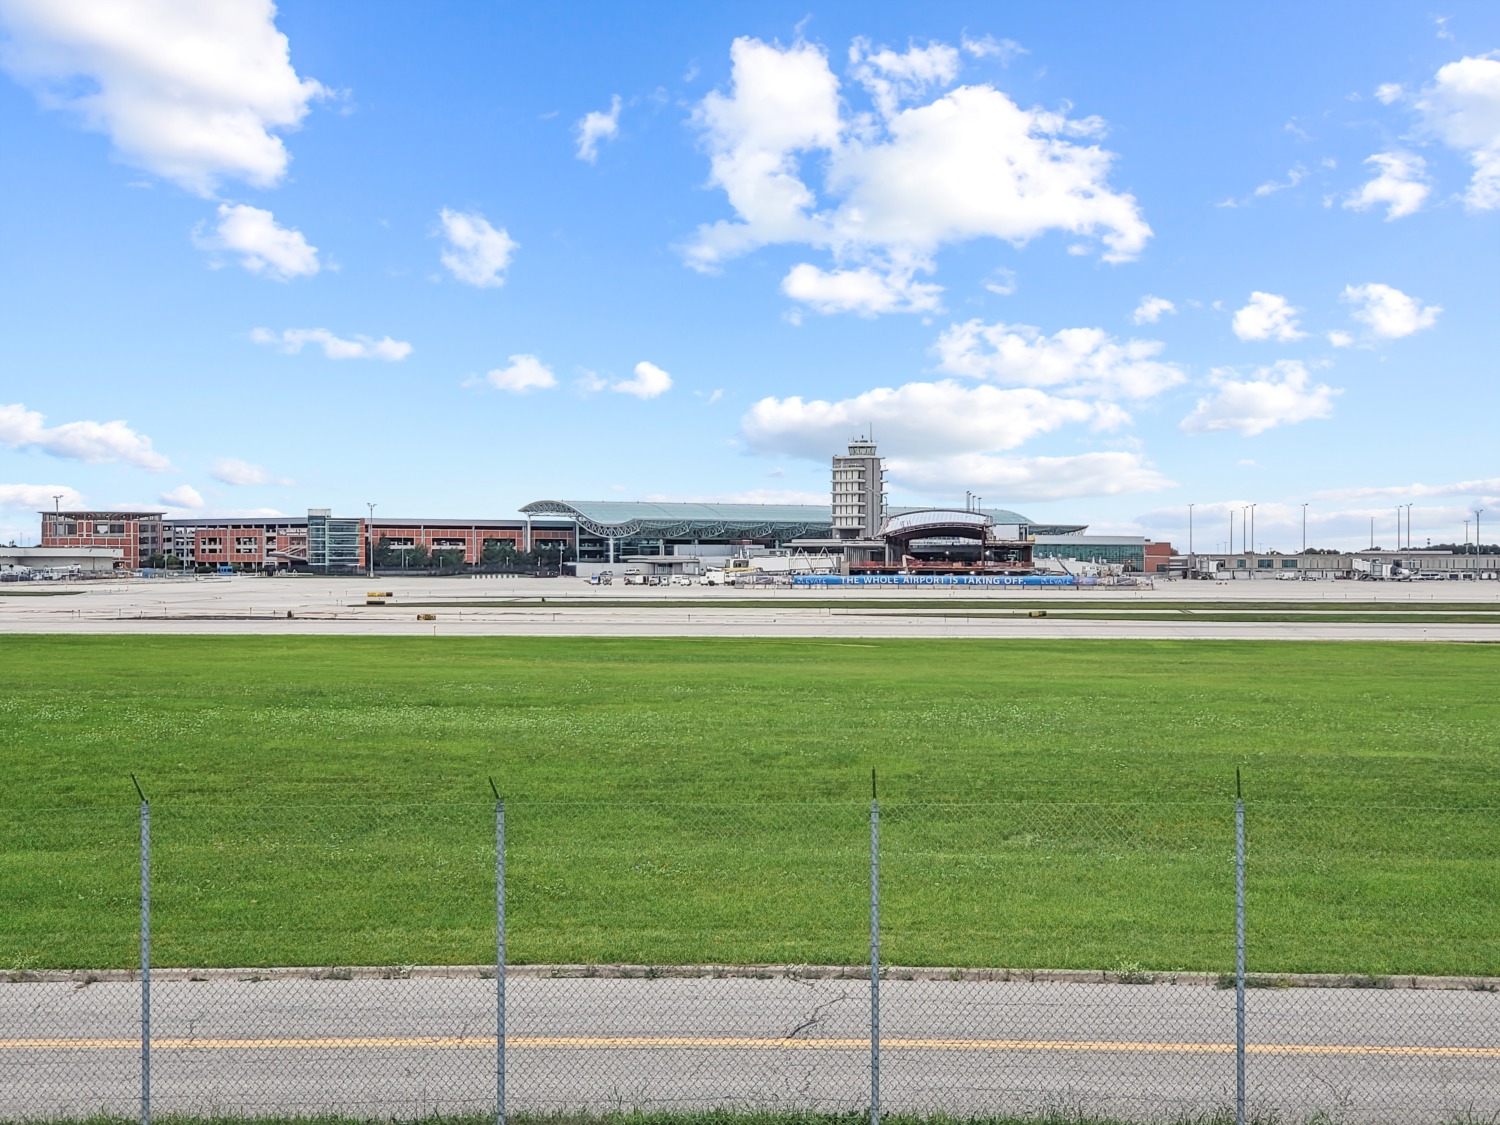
741,1043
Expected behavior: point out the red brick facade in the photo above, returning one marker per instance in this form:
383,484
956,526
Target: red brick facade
138,534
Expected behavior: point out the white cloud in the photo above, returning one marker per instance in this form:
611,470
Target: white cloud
1388,92
1073,361
1340,339
1279,395
525,373
1267,317
183,496
93,442
477,253
1462,106
987,46
1293,177
864,290
1150,310
649,382
923,420
1002,281
1020,479
264,248
894,78
40,497
231,470
1389,313
192,92
1484,486
899,183
1401,185
293,340
598,126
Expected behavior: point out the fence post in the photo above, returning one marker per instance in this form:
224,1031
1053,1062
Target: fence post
1239,953
499,961
145,959
874,954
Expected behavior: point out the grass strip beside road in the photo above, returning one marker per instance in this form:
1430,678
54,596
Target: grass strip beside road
324,801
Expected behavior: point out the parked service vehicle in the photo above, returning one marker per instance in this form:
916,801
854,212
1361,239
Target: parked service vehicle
681,580
633,577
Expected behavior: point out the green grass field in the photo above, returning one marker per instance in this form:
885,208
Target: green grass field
1043,804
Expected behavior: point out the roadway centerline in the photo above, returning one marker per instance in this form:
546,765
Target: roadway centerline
743,1043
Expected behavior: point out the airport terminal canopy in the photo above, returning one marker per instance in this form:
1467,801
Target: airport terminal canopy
621,519
628,519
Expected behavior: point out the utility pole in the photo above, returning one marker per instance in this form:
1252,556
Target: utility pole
370,539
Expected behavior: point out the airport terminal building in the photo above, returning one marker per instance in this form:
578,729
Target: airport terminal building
856,527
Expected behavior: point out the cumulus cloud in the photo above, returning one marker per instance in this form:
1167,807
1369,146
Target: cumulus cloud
904,180
231,470
264,247
1388,92
1400,185
865,291
1151,309
194,93
1340,339
987,46
1279,395
477,252
183,496
1389,313
93,442
1021,479
649,382
525,373
1073,361
1462,106
1294,177
1480,487
596,127
293,340
921,419
893,77
1268,316
40,497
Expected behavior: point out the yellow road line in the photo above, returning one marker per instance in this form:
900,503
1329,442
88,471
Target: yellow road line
739,1043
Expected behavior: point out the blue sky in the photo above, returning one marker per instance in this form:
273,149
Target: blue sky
1094,262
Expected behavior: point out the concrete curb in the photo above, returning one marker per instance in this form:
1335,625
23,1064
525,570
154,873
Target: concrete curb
84,977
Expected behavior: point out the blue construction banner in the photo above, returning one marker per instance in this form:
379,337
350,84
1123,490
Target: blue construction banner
937,580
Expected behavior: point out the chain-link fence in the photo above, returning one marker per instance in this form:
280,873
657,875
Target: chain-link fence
916,959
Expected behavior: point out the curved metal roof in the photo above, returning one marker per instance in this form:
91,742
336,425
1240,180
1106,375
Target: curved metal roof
679,520
620,518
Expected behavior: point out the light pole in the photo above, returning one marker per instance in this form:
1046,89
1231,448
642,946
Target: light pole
1252,529
370,539
1466,537
1477,513
1192,562
1304,527
1408,527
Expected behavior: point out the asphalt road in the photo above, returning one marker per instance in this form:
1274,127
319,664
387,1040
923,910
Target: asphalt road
324,607
408,1047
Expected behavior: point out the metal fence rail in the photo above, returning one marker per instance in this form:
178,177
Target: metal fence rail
830,957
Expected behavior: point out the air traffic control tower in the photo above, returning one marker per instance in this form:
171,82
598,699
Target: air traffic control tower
858,491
